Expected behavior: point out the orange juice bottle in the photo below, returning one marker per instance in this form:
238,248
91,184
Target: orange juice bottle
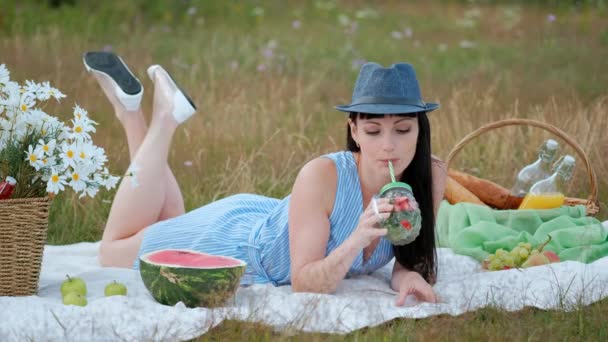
542,201
548,193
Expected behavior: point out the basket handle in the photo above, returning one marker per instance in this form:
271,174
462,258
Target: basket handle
592,199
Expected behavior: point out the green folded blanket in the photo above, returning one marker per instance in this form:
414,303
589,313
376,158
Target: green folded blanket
477,231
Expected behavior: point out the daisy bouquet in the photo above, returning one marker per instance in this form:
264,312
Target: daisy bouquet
41,153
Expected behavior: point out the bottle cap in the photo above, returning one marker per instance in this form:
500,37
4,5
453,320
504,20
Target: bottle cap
552,144
394,185
10,180
568,159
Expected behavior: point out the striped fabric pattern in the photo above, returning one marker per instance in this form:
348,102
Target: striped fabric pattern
254,229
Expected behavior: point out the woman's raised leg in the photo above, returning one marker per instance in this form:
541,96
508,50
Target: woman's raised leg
124,91
135,208
135,127
138,204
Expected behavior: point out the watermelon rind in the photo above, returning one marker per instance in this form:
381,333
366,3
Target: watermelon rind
194,286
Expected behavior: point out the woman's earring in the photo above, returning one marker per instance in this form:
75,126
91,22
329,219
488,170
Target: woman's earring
356,143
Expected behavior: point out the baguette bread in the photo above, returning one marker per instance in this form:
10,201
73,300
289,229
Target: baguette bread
455,193
487,191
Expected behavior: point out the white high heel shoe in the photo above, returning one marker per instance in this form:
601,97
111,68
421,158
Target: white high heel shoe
183,107
127,87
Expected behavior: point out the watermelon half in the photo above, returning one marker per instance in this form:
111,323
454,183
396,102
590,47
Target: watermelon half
191,277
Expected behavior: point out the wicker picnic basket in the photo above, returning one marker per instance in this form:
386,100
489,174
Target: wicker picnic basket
590,203
23,227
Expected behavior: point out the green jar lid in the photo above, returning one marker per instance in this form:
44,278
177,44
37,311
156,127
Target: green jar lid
394,185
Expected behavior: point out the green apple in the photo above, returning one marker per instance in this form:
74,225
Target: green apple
115,289
74,298
75,285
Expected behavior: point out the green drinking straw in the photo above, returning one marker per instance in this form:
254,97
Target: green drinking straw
391,171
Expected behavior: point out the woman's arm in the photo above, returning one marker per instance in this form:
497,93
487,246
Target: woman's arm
408,282
311,203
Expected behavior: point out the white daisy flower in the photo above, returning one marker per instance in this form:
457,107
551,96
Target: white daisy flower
46,92
36,117
34,157
31,88
81,128
132,173
98,157
4,74
43,92
111,182
55,182
80,112
52,125
13,98
5,126
85,152
68,154
26,103
58,95
46,148
78,178
47,162
90,191
105,179
18,129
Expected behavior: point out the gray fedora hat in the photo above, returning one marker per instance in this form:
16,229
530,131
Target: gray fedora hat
393,90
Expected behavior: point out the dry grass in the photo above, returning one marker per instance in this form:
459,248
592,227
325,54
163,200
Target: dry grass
489,323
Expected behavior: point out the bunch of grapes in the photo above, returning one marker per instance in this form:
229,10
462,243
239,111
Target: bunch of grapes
521,252
504,260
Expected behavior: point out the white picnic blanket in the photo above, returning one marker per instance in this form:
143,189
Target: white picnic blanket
359,302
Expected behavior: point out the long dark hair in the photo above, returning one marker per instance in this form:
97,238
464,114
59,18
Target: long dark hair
420,255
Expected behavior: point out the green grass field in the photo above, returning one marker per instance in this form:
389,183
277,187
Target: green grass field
266,75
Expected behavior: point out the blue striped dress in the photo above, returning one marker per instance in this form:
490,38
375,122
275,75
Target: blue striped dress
254,229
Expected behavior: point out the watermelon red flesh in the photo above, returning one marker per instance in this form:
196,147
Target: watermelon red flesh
194,286
191,259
